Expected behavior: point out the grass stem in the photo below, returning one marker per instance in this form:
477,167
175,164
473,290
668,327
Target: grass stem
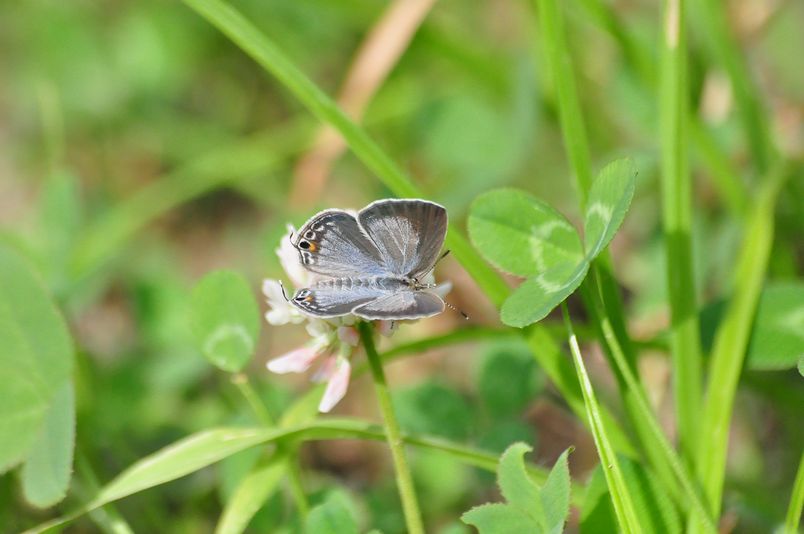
677,222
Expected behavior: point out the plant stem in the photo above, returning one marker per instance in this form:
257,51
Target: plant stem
294,470
404,480
677,222
640,402
796,501
732,336
107,517
620,496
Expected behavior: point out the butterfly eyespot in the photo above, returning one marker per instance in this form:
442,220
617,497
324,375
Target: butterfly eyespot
304,244
309,234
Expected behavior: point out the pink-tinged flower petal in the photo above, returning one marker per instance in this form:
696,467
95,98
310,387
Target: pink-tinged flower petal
337,386
325,370
386,328
349,335
295,361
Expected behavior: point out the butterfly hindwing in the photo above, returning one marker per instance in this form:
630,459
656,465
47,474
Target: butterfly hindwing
404,304
339,296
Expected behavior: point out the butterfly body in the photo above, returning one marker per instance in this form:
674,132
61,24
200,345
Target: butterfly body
372,264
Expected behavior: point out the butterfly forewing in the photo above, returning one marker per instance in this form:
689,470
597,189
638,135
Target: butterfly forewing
332,244
409,234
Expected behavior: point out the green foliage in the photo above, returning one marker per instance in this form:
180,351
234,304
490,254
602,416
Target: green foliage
520,234
251,494
35,364
777,337
507,381
433,408
656,511
528,508
47,471
333,516
609,199
117,197
225,320
524,236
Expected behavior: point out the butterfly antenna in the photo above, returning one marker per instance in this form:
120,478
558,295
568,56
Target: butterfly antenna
453,308
431,269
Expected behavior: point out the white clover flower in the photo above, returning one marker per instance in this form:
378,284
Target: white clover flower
332,339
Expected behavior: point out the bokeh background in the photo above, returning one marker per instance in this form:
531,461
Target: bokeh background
140,148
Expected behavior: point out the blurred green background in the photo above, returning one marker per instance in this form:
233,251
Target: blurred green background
141,149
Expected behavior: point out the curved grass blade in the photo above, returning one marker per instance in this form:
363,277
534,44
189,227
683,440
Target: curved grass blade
620,495
210,446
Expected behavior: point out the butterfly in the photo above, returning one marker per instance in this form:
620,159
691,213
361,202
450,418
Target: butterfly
372,264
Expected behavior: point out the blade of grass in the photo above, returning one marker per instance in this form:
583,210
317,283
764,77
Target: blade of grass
561,373
694,500
267,54
287,456
553,39
620,496
676,182
793,517
322,429
715,31
731,339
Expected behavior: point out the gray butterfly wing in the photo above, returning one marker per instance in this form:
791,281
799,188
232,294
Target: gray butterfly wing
403,304
339,296
333,244
409,234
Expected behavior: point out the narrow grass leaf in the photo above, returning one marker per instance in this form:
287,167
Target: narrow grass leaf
520,234
620,494
731,340
205,448
35,357
676,182
47,471
794,509
225,319
251,494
